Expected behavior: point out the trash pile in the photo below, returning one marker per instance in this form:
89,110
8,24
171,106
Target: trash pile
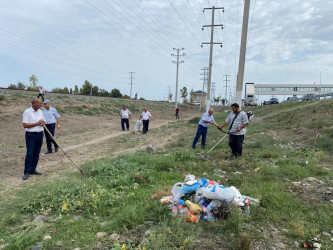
202,199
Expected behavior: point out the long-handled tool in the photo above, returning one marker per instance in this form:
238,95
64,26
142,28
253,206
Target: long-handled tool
226,133
77,166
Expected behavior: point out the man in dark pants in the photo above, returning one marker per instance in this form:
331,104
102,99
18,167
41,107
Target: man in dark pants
146,117
41,92
177,113
238,121
33,121
125,114
52,119
206,119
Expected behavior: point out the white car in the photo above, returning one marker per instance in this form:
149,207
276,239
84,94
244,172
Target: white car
196,103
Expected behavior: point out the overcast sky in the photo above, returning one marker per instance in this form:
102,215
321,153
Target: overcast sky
64,42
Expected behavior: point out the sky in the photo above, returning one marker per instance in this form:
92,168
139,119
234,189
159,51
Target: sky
66,42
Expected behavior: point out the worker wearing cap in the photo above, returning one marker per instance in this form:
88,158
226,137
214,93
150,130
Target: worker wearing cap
33,121
52,119
206,119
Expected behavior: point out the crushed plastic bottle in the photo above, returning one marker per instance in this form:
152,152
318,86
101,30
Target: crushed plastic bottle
215,192
247,206
192,218
193,207
177,201
174,211
254,202
202,204
213,204
181,211
208,217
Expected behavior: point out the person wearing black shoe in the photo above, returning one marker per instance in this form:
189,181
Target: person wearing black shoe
125,115
33,121
52,119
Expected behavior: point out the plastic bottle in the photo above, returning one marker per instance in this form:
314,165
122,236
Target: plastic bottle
166,199
254,202
247,206
216,192
192,218
177,201
181,211
193,207
174,211
213,204
208,217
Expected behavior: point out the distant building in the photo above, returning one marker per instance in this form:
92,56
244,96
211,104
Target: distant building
198,96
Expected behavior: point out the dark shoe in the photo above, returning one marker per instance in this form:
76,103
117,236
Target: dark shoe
202,147
56,149
36,173
193,147
48,152
25,177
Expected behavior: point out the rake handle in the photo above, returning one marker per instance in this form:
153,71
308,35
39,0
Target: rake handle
77,166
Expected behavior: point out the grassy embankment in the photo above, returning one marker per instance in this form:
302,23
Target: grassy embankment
118,191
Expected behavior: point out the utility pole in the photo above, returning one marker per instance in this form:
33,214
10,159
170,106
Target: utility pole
213,88
211,43
241,66
177,62
131,73
226,86
320,72
204,83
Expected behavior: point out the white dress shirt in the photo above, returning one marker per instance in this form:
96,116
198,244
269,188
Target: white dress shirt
32,116
145,115
125,113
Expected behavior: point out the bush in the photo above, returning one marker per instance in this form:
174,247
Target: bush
12,86
194,120
126,97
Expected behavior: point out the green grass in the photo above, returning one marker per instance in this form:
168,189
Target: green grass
118,191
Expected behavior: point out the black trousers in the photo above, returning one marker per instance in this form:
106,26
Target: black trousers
49,140
123,122
145,126
236,144
34,142
42,95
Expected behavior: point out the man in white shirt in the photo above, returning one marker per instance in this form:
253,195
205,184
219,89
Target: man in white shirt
206,119
41,92
33,121
125,115
52,119
146,117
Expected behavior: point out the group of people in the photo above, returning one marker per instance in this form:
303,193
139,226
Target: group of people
38,122
238,121
126,115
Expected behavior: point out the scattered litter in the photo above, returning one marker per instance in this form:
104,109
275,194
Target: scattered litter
307,245
202,199
317,245
237,173
257,169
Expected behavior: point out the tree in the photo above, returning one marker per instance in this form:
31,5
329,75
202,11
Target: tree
86,87
65,91
94,91
33,82
20,85
57,90
142,99
116,93
126,97
217,100
103,92
12,86
183,93
191,97
76,90
170,97
71,91
224,101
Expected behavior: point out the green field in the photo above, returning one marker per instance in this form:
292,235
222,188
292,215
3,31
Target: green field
115,195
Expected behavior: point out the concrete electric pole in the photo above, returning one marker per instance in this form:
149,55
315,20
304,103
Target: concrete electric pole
211,43
241,66
177,62
131,73
320,72
204,83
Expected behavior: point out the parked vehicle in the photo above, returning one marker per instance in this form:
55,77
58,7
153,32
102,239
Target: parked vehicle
292,99
274,101
309,97
251,103
266,102
196,103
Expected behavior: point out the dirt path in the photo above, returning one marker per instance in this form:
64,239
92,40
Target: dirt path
84,143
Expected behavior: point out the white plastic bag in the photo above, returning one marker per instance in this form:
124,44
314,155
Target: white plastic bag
137,125
216,192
